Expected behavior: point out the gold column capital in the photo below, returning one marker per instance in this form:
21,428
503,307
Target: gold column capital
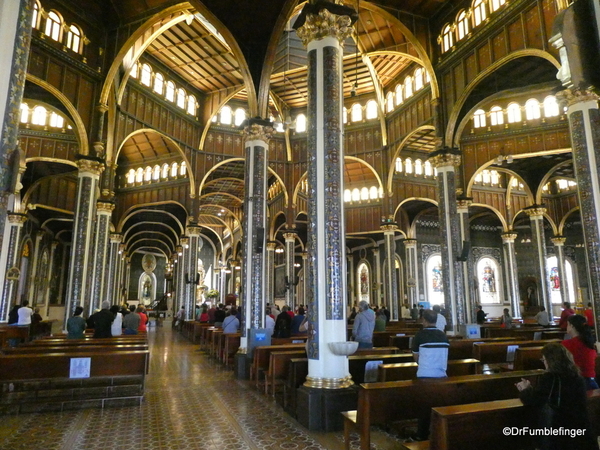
508,238
257,132
570,97
325,24
389,227
271,246
410,243
88,165
105,207
535,211
17,218
558,241
445,159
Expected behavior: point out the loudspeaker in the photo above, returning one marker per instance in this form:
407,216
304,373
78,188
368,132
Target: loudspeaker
466,249
259,240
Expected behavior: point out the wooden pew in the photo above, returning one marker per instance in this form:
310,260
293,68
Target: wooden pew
278,368
463,348
232,345
197,333
408,370
290,340
495,352
16,332
261,359
87,341
392,401
31,349
214,341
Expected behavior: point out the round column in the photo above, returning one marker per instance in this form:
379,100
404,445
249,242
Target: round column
512,279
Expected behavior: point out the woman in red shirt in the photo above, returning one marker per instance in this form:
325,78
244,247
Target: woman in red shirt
581,345
143,318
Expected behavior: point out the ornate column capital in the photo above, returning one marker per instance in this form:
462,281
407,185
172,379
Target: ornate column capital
304,256
101,108
271,245
325,19
464,203
558,241
17,218
290,235
389,228
509,237
410,243
193,230
116,237
445,157
184,242
376,251
93,166
105,207
258,130
570,97
39,235
535,211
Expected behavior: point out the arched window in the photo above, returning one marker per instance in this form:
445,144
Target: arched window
488,280
408,166
428,169
159,83
513,111
389,102
355,195
550,106
399,94
418,79
532,109
344,116
462,25
347,196
371,109
240,116
373,193
170,91
56,120
156,173
134,70
146,77
192,105
53,26
183,168
24,116
226,115
364,282
74,38
139,175
433,274
495,178
40,115
181,98
479,118
35,23
148,174
408,86
131,176
479,12
399,165
447,39
356,113
496,4
486,177
164,171
174,170
418,167
496,115
300,123
364,193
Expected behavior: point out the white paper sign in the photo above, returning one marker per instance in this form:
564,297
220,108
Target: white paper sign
537,336
80,367
371,371
510,352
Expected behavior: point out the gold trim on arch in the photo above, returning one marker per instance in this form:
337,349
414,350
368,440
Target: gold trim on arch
563,221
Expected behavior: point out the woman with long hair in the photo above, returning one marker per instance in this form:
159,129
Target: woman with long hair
581,346
561,399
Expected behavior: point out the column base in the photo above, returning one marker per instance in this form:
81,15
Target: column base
241,366
319,409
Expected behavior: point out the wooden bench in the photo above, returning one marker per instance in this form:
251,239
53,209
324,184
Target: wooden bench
32,349
278,368
463,348
19,333
262,356
408,370
197,333
231,346
496,352
392,401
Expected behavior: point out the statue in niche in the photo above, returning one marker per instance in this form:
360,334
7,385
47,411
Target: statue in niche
488,278
554,279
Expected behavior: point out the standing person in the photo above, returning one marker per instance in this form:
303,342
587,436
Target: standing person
542,317
116,328
414,312
480,315
581,346
203,318
102,321
405,311
441,320
231,324
364,325
131,322
506,319
211,314
297,321
430,351
13,315
564,315
141,310
269,322
388,315
589,315
180,317
380,320
220,315
560,397
76,325
25,313
283,324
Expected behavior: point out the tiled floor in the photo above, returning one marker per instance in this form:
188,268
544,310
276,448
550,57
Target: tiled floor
191,402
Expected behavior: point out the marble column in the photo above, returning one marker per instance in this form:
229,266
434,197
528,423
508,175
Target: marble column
538,241
270,272
101,254
190,254
445,161
512,276
412,275
127,276
304,277
120,270
83,231
323,28
290,271
378,277
559,246
11,280
390,280
352,290
257,134
51,276
180,291
111,287
462,210
35,263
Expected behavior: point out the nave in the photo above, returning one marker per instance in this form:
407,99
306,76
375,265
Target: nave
191,402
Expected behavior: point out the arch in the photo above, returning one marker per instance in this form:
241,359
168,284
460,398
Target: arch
563,221
546,216
497,213
190,173
142,207
546,178
451,134
78,126
471,183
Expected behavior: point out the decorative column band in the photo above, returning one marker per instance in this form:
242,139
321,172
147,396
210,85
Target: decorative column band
508,238
328,383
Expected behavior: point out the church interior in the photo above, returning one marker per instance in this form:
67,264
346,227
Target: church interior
126,174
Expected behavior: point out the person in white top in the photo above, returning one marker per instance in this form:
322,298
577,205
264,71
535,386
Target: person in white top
269,323
441,322
116,329
25,314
